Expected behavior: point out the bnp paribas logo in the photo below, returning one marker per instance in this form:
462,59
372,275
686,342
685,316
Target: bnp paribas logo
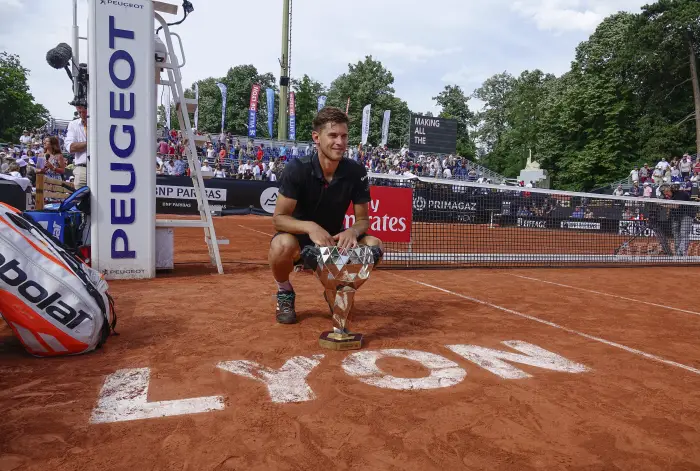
120,3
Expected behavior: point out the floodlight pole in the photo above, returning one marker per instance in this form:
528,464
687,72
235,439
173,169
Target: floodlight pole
75,47
284,75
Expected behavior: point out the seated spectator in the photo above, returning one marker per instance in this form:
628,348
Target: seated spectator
219,172
162,147
634,175
14,170
180,166
169,167
676,174
257,171
618,191
635,190
648,190
578,213
685,166
644,173
206,167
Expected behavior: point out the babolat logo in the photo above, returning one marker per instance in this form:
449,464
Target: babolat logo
121,4
34,293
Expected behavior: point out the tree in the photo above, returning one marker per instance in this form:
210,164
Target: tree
588,123
368,82
492,119
671,29
307,91
18,111
455,105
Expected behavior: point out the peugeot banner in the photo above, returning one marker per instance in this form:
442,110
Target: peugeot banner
196,110
167,110
292,117
365,123
385,127
253,111
222,87
270,109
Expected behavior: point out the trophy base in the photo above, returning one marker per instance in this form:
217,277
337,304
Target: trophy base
334,341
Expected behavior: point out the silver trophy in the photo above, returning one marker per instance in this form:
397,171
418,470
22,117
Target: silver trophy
341,272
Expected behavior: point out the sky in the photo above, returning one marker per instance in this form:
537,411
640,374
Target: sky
425,44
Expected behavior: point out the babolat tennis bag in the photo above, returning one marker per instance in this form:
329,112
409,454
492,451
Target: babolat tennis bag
53,302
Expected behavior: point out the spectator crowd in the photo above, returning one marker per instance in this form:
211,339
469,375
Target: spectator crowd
227,156
35,152
646,181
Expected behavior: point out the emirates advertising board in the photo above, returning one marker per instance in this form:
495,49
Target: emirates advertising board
390,213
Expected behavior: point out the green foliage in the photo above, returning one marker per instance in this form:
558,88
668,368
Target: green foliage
368,82
455,105
307,91
18,111
626,101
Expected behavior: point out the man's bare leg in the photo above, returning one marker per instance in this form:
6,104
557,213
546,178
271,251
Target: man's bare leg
284,251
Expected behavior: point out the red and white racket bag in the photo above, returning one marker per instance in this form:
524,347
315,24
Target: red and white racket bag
53,302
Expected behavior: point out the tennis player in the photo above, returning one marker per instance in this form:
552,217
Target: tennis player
314,195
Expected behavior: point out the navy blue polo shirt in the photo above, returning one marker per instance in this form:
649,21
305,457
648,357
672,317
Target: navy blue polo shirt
319,201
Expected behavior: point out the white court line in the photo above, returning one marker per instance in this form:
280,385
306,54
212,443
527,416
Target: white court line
255,230
607,294
561,327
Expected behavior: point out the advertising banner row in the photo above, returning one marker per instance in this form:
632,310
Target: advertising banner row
393,210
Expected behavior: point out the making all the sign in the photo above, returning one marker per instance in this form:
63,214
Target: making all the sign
390,213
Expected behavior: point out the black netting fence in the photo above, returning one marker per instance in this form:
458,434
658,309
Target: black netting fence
461,224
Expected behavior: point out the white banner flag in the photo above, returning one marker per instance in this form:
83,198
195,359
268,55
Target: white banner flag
365,123
196,110
222,87
167,110
385,127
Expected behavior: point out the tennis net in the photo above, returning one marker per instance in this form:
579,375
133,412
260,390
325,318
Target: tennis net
464,224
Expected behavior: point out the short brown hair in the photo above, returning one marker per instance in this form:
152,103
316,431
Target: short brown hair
329,114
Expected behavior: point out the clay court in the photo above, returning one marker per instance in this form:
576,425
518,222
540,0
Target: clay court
601,371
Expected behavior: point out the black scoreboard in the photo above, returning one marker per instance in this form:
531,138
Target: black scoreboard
433,135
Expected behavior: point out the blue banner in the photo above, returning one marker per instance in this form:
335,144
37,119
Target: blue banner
253,111
321,102
270,109
292,117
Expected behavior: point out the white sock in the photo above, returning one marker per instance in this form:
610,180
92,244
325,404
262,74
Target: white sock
284,285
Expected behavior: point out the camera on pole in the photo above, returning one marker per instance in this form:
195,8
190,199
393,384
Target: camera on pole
60,57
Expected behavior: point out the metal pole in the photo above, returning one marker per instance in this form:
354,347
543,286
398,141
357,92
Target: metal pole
76,47
284,74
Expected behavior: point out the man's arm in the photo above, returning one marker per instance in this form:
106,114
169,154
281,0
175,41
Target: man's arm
361,225
70,143
283,221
